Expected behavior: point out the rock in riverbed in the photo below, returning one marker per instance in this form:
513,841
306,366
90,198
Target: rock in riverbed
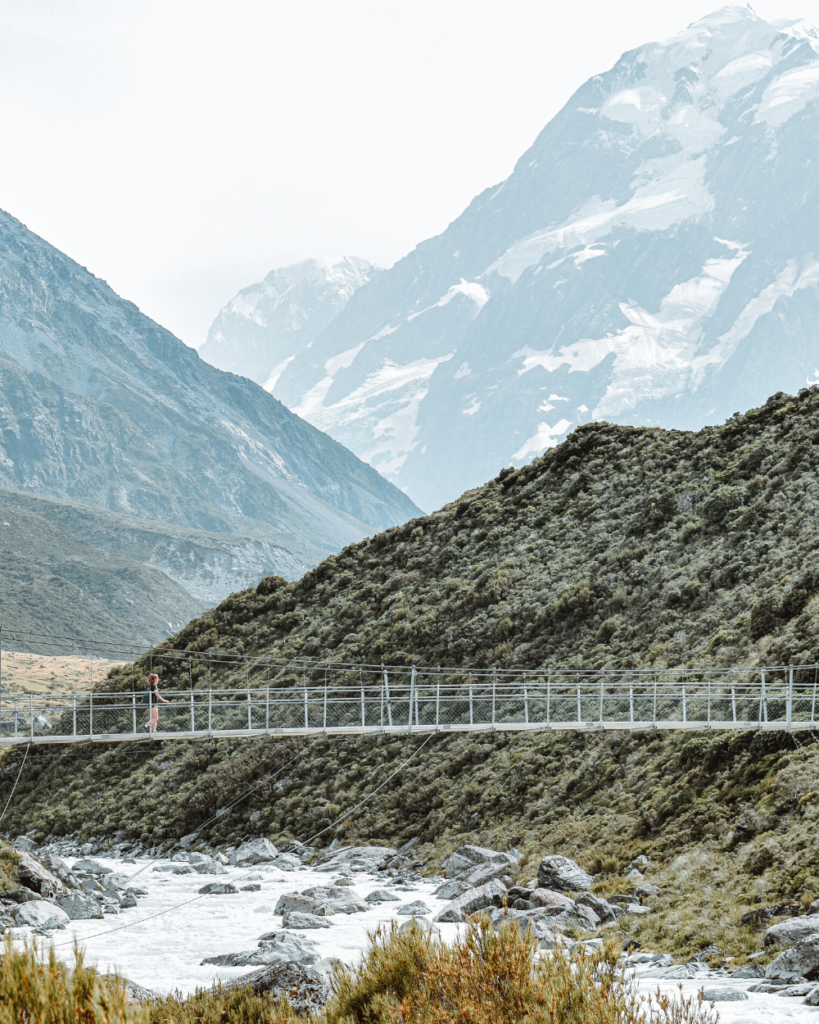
563,874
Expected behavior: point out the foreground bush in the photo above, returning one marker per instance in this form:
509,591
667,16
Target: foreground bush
40,989
220,1006
492,978
484,977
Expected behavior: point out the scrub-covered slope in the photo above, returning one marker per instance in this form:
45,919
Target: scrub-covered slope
651,260
622,546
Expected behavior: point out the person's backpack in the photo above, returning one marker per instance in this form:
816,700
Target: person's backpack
146,696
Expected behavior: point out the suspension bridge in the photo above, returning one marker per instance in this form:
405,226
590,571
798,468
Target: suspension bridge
259,696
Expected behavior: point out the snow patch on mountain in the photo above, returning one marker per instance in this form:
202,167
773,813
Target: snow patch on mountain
651,259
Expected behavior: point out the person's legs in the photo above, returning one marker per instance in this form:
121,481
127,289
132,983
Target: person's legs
154,718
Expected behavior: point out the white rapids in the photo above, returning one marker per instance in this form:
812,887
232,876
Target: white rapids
161,945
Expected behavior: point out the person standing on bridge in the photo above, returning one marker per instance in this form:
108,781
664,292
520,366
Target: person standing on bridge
152,693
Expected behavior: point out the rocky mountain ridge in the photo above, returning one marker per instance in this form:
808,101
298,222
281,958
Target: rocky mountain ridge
650,260
261,330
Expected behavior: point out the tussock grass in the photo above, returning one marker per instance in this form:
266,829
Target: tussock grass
489,977
8,868
220,1006
37,988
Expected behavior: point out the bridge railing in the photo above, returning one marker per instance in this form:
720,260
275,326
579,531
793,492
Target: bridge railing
781,697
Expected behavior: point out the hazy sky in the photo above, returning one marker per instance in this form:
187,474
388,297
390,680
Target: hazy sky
180,150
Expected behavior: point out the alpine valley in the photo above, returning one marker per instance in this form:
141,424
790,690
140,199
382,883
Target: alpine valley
652,259
138,477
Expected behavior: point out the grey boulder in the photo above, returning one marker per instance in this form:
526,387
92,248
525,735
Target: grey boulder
280,949
724,995
491,894
563,874
356,859
79,907
254,851
306,987
786,933
467,858
90,867
296,920
452,889
550,898
604,910
647,890
417,909
381,896
293,902
504,870
800,961
217,889
208,866
422,924
287,862
41,914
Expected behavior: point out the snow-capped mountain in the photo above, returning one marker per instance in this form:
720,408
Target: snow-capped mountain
102,407
653,258
260,330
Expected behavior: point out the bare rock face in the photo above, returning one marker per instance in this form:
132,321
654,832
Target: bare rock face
563,874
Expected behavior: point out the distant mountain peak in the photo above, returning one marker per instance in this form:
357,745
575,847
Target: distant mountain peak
651,259
267,324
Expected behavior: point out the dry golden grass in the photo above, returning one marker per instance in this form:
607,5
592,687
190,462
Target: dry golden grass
489,977
43,673
39,989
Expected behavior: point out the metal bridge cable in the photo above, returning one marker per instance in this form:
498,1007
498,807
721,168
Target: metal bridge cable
370,795
142,920
185,903
223,810
11,794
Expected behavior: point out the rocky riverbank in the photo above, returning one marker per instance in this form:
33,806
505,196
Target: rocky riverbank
280,919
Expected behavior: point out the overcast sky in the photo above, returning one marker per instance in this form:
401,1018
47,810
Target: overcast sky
181,150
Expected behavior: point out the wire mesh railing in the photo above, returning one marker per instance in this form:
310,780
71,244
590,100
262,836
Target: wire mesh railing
363,699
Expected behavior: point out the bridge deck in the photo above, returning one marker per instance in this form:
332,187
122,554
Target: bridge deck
785,698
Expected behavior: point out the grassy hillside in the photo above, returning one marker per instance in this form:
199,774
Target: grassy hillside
620,547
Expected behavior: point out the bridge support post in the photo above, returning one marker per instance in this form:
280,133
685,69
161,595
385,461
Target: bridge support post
267,712
15,718
601,698
249,710
74,706
193,715
579,715
763,700
91,715
525,701
31,713
210,713
470,706
813,703
437,702
733,699
789,705
494,687
631,704
363,707
549,697
411,700
325,704
387,695
685,710
306,712
133,709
